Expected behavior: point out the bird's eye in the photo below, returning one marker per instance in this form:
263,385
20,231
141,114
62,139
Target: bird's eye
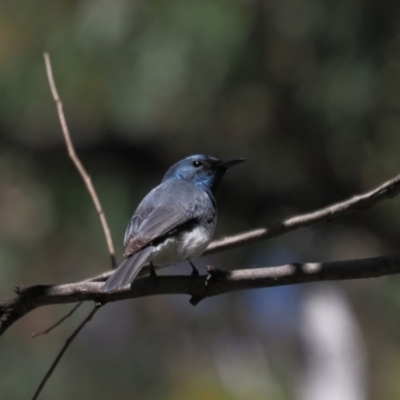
197,164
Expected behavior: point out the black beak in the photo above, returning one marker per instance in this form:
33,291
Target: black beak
226,164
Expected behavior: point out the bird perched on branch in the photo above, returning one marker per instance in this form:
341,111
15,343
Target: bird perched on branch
175,221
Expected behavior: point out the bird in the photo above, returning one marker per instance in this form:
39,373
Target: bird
175,221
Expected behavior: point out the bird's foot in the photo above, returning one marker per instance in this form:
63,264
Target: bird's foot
152,271
195,271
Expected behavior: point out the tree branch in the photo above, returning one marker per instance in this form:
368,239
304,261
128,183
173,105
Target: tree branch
216,283
385,191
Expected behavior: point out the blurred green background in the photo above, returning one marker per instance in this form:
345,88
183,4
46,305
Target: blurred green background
307,91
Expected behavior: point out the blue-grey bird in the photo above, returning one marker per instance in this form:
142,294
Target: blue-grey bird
175,221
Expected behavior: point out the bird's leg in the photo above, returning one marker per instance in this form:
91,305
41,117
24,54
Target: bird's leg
194,299
152,271
153,275
195,272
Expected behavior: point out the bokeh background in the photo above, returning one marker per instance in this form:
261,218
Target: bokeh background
308,91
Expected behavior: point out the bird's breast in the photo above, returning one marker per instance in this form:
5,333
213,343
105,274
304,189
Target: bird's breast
186,244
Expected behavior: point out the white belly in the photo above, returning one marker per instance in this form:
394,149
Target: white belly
179,248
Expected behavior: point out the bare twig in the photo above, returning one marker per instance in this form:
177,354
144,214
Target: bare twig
79,166
63,350
385,191
92,192
50,328
200,287
85,177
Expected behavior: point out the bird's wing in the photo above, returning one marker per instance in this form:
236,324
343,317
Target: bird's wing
164,209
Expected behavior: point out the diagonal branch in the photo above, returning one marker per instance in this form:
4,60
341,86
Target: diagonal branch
59,322
63,350
385,191
218,282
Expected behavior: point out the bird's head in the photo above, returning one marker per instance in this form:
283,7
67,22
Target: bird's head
204,171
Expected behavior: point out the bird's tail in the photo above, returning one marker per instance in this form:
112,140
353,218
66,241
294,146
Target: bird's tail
127,270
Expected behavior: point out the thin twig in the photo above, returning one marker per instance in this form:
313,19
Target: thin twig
49,329
79,166
92,192
63,350
385,191
83,173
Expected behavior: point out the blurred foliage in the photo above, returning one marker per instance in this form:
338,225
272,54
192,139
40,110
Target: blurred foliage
307,91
